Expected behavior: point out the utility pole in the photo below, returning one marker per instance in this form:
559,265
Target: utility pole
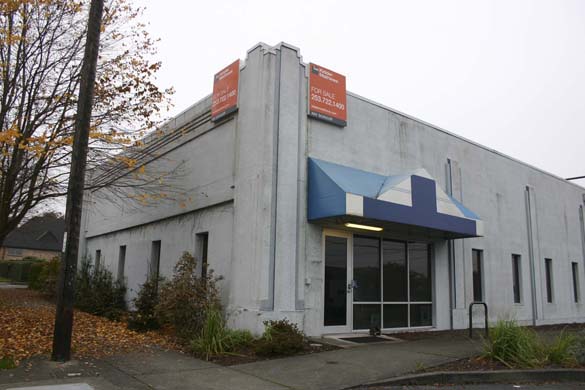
66,288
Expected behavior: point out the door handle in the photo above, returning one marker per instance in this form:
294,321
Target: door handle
352,285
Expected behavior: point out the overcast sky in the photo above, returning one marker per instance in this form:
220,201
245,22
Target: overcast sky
507,74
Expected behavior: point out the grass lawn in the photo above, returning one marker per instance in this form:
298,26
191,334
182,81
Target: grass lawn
4,279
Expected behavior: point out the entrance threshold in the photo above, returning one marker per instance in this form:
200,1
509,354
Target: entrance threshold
354,339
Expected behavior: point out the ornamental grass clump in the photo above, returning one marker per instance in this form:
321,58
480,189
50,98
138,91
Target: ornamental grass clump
216,339
514,346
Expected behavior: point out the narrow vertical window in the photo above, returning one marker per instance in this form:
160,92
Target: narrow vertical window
98,258
203,244
516,272
477,260
575,269
155,260
549,286
121,263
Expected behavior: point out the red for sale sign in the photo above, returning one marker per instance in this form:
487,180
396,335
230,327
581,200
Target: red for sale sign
225,91
327,95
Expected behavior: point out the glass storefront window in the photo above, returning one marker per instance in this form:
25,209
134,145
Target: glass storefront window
366,271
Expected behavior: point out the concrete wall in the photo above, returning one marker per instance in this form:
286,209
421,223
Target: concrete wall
384,141
177,234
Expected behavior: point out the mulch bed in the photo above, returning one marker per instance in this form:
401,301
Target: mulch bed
247,355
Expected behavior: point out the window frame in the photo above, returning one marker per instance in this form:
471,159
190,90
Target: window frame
121,263
98,259
480,273
576,284
517,279
549,280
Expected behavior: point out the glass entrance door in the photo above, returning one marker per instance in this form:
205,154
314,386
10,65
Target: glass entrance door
392,285
337,291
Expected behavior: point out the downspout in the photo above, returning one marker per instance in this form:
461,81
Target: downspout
531,255
451,254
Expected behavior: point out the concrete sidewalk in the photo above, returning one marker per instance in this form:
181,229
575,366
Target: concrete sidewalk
170,370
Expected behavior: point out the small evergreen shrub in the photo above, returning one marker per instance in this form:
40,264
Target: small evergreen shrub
185,299
280,338
144,317
98,293
49,277
34,276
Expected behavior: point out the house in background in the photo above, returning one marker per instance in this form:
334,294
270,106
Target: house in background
40,237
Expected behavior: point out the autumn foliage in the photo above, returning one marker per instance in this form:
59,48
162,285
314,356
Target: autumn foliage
41,47
26,330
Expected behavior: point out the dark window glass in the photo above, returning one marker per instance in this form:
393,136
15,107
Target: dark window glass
420,272
421,315
203,242
155,260
477,257
548,271
98,258
394,268
516,270
335,281
575,269
366,269
121,263
395,316
366,316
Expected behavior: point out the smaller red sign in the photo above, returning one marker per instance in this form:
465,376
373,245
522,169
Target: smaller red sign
225,91
327,95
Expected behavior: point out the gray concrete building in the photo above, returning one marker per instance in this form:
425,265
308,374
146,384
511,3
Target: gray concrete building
386,221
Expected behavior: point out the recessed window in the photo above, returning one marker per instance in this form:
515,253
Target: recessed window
477,263
98,258
14,252
154,260
516,272
121,262
576,292
549,280
203,244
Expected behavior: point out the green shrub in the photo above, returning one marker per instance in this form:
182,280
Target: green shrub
280,338
49,277
17,270
562,350
215,339
185,299
34,280
7,363
514,346
579,349
144,317
96,292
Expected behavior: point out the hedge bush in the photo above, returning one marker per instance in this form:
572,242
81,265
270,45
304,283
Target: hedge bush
17,270
98,293
280,338
144,317
185,299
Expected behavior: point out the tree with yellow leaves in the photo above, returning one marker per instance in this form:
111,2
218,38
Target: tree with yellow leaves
41,47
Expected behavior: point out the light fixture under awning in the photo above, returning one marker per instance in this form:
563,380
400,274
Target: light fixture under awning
348,195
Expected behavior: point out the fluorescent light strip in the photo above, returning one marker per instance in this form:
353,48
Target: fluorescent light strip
364,227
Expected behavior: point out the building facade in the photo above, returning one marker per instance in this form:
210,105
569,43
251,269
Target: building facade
385,221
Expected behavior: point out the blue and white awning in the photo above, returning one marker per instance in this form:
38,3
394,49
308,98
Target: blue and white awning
415,199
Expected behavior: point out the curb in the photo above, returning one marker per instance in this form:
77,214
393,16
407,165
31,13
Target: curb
469,377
